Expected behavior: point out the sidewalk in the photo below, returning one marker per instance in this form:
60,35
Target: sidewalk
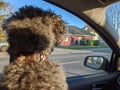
67,51
3,54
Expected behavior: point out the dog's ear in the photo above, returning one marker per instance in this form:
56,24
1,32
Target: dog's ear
59,29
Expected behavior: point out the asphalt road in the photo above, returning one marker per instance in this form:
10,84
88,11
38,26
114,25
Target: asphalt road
72,60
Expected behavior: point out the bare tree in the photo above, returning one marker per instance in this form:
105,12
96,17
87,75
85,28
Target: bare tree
113,12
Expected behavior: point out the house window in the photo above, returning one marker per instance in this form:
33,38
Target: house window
66,39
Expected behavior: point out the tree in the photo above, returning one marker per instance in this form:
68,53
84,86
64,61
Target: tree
3,6
113,13
3,14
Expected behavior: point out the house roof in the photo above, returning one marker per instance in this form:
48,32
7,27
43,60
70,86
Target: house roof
76,30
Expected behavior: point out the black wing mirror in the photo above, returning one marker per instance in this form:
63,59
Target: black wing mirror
96,62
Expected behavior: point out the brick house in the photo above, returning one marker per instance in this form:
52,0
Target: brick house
74,36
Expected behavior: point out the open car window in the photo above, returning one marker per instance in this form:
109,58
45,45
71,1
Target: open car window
79,41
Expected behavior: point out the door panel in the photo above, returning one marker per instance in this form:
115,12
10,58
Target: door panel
109,82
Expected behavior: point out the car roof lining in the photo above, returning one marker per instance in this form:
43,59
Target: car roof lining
79,4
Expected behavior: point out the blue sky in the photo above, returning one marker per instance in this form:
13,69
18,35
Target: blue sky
67,17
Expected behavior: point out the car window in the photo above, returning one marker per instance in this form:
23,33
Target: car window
79,41
113,14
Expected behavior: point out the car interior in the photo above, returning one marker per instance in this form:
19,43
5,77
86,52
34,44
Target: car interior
106,74
93,13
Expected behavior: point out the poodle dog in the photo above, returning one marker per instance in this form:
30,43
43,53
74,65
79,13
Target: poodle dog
32,35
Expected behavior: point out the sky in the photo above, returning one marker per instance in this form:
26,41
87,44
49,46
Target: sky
67,17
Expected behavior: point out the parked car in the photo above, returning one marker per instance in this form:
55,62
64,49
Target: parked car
3,46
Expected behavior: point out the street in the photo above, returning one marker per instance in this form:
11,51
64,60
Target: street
72,60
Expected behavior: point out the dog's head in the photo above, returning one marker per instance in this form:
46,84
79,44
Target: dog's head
32,29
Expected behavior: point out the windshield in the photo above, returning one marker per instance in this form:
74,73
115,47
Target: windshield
79,41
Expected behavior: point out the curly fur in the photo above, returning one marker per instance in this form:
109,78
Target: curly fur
29,30
32,23
34,76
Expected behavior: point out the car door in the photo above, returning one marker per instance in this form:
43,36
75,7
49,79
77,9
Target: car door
101,81
110,78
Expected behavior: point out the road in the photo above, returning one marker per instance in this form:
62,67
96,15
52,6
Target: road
72,60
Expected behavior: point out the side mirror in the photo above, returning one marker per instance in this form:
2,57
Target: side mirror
96,62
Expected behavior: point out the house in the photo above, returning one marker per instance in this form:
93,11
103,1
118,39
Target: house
96,38
92,31
75,36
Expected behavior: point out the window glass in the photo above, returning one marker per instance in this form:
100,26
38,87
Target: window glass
66,39
113,15
79,41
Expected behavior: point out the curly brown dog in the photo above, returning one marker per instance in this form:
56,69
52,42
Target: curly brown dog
32,35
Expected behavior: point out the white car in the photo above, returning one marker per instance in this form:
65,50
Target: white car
3,46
